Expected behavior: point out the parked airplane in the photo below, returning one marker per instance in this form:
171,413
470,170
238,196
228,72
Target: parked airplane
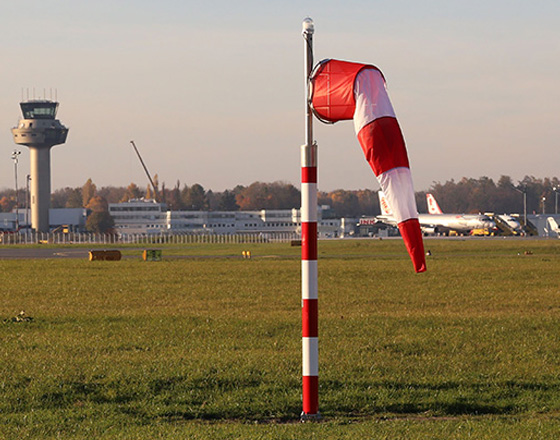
439,223
553,226
507,221
461,223
511,222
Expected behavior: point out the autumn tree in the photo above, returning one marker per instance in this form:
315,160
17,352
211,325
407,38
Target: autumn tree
227,202
100,222
368,202
323,198
463,196
98,204
132,192
194,198
484,195
89,190
152,192
345,203
276,195
7,204
421,202
162,194
113,194
174,198
156,187
67,198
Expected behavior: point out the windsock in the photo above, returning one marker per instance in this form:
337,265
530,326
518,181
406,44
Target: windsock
341,90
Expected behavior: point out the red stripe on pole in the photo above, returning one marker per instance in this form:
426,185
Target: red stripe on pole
383,145
309,240
310,394
310,318
309,175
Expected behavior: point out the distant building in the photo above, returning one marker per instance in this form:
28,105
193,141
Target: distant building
542,224
140,216
73,218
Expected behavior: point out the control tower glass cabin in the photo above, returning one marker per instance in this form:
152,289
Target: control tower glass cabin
39,130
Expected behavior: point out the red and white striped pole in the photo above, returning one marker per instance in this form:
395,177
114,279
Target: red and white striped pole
309,309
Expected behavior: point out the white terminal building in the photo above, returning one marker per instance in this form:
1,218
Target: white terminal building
147,217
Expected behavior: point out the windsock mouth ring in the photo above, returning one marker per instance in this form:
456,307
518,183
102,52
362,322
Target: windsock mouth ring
310,83
331,89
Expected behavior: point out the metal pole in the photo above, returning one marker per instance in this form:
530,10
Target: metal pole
309,297
15,155
27,202
525,207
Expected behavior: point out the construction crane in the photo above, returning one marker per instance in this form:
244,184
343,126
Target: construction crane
156,197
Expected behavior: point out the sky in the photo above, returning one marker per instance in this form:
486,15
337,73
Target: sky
212,92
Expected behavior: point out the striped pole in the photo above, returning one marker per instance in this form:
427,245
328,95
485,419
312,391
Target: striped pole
309,309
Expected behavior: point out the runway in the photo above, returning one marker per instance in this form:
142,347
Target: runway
10,253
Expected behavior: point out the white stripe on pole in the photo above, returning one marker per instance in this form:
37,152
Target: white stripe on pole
310,347
308,201
308,274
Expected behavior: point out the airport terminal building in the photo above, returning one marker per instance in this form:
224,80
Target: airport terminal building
140,216
145,217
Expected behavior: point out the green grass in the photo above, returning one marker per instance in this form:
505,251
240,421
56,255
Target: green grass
210,346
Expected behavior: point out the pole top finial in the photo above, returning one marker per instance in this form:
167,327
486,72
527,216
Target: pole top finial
308,26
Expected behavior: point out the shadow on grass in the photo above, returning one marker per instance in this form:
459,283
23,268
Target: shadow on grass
71,392
251,398
440,399
457,408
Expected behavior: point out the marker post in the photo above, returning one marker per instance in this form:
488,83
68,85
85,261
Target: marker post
309,297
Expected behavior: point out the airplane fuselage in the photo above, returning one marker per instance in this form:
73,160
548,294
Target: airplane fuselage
438,223
444,223
462,223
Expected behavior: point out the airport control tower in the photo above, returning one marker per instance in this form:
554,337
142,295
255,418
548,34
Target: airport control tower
40,130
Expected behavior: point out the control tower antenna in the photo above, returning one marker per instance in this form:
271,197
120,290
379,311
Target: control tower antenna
40,131
147,172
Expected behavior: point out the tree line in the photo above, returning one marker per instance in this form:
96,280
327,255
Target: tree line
504,196
467,195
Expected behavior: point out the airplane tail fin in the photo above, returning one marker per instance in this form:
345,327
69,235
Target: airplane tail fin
383,204
433,207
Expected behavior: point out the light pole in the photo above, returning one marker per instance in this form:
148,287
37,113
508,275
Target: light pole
543,204
27,203
555,189
15,156
524,205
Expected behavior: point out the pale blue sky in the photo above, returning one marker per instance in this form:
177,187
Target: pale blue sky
212,92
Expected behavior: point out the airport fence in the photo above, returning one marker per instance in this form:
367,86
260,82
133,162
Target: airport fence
92,238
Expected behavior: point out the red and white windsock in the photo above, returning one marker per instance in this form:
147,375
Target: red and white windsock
342,90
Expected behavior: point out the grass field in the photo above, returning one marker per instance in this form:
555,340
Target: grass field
209,347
